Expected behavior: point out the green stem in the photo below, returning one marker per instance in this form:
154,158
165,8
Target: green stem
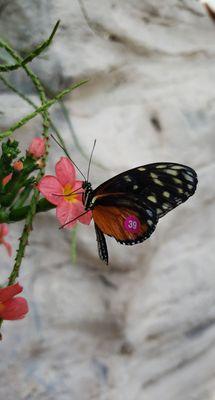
23,242
73,244
31,103
31,56
31,211
35,206
24,238
40,109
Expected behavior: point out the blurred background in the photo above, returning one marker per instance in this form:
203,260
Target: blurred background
143,328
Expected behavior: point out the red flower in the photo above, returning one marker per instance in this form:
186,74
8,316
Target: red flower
12,308
37,147
4,232
6,179
65,192
18,165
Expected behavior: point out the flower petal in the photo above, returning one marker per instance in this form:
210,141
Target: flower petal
65,171
37,147
49,186
8,292
86,218
67,211
14,309
3,230
6,179
79,190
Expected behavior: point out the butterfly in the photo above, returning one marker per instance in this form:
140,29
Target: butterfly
129,205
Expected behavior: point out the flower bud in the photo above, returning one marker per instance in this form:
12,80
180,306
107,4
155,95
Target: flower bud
18,165
37,147
6,179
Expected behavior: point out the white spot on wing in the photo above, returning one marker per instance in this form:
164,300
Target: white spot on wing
179,181
189,172
190,187
149,222
158,182
188,177
152,199
161,166
135,187
177,167
171,172
127,178
166,194
149,212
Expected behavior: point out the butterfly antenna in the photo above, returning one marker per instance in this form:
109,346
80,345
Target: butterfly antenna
67,154
91,155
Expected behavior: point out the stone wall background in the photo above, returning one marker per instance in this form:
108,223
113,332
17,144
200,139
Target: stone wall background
145,328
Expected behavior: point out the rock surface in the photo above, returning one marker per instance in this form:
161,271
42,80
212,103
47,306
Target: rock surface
144,328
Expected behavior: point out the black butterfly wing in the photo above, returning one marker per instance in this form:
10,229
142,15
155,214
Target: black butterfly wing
125,217
162,186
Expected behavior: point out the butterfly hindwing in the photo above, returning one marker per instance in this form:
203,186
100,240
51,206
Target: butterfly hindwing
162,186
125,217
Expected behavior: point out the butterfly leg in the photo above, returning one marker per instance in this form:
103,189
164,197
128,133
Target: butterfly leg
102,246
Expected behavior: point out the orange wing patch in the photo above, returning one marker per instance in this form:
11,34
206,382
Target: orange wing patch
125,225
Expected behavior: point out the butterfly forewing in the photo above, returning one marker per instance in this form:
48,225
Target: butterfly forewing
162,186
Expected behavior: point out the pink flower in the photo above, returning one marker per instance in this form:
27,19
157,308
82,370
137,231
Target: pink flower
12,308
37,147
65,192
4,232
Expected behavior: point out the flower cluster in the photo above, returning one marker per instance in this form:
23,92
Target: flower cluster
16,184
11,168
19,177
63,191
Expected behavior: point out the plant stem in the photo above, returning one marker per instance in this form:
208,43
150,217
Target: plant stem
31,56
73,244
35,206
46,123
40,109
31,103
